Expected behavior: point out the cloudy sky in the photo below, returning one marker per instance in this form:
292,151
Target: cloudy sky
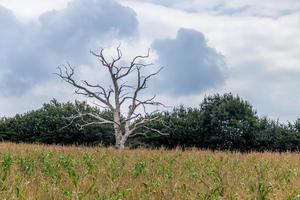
247,47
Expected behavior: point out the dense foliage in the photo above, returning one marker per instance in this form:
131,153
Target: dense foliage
224,122
51,125
221,122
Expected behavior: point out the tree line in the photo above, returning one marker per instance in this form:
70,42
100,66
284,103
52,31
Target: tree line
221,122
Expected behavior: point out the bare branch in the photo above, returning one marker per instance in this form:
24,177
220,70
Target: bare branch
67,76
100,120
156,131
142,123
116,95
117,59
133,65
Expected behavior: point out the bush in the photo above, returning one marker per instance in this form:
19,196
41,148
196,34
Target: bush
51,125
276,136
228,122
221,122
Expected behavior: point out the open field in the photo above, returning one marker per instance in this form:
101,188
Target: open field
54,172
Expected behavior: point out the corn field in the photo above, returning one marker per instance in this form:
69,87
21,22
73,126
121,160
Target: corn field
57,172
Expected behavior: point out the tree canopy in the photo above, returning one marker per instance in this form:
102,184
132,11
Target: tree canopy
221,122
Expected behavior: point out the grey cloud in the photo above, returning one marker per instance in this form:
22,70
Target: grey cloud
10,28
266,8
190,65
273,92
31,52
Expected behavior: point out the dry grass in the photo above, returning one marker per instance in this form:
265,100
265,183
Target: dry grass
55,172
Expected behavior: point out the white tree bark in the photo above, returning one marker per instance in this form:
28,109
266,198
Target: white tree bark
114,98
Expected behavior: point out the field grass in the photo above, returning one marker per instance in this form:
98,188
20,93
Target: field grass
55,172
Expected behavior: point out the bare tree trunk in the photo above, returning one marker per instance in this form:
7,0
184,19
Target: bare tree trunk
118,139
125,136
117,129
123,141
122,144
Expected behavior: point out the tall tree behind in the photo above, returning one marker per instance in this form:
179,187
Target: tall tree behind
229,122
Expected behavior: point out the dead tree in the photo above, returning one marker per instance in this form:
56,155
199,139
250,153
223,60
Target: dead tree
121,98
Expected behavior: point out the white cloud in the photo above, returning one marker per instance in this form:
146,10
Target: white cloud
26,10
259,39
262,53
266,8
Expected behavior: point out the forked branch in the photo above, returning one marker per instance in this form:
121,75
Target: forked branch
115,96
